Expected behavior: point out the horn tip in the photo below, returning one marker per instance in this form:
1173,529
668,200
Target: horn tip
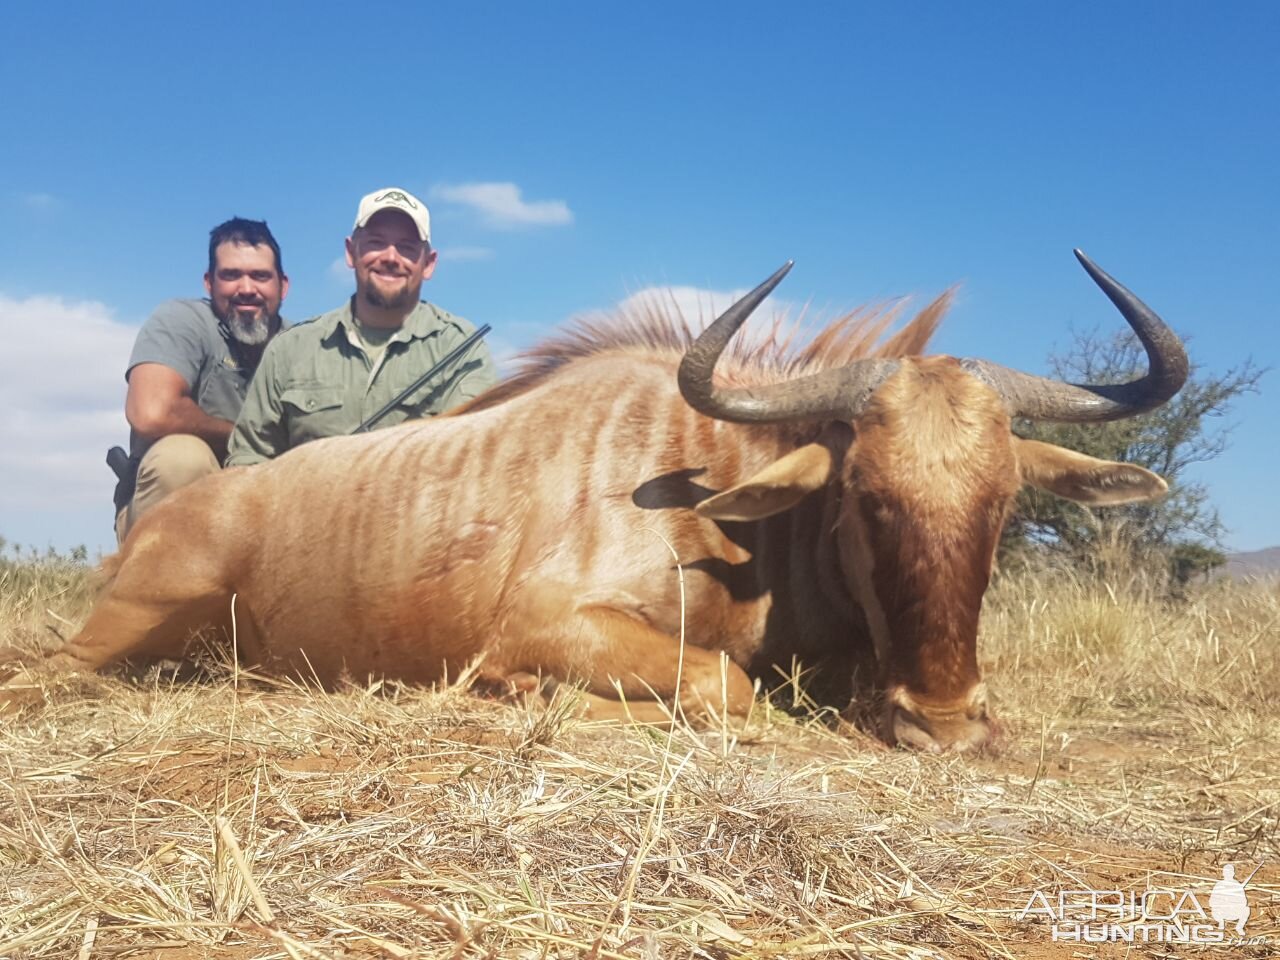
766,288
1099,275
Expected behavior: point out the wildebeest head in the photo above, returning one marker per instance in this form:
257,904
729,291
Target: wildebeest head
920,453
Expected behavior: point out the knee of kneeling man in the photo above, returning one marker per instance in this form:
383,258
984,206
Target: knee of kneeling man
176,460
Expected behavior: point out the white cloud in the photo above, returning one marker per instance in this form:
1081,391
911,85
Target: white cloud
62,389
338,270
699,306
40,202
502,206
503,350
465,254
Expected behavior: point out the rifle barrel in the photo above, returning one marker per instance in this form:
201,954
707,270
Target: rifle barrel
444,363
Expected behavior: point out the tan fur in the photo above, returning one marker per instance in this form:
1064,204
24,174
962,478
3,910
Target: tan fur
932,475
533,530
779,486
1082,478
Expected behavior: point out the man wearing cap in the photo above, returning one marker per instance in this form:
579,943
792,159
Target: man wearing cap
191,366
326,376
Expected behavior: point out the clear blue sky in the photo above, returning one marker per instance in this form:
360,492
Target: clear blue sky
889,148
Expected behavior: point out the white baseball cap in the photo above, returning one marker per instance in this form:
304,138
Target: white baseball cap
393,198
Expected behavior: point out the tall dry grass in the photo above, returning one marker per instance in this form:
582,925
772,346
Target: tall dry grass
1120,648
242,817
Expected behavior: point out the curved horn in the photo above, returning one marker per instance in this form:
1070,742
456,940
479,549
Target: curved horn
831,394
1041,398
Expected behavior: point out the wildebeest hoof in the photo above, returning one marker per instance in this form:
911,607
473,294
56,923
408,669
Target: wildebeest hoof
512,686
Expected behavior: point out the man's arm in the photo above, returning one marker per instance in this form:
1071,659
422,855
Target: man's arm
475,373
158,403
260,432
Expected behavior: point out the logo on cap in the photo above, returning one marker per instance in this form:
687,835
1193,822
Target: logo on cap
395,196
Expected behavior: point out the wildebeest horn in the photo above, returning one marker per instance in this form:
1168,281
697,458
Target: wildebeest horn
1040,398
831,394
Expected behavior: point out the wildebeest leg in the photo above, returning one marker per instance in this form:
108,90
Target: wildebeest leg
126,627
626,659
148,609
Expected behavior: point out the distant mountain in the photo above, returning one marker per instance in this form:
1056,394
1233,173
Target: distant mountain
1255,563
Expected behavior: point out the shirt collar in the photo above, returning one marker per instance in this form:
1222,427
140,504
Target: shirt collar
419,324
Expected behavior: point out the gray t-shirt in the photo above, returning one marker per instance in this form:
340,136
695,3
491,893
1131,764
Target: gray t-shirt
186,337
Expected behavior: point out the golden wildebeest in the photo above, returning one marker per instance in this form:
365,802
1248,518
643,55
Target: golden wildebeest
825,505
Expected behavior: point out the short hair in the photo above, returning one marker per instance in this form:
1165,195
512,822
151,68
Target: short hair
239,230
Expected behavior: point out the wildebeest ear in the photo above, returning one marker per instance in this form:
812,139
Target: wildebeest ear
1082,478
779,486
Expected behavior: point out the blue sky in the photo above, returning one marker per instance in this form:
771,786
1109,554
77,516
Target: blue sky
575,154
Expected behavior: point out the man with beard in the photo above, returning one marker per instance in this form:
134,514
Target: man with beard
326,376
192,363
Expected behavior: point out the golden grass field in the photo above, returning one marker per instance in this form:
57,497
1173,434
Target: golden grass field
235,817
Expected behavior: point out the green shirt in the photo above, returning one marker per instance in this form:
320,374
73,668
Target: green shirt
317,379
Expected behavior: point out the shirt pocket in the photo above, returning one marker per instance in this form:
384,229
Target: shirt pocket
312,411
221,392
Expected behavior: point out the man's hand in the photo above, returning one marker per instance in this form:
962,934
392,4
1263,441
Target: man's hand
159,404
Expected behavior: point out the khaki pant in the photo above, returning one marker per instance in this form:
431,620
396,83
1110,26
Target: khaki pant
171,462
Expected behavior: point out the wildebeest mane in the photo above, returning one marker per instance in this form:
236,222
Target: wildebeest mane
773,352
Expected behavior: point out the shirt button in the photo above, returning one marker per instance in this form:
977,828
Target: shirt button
311,404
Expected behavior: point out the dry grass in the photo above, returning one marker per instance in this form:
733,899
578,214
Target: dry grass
239,818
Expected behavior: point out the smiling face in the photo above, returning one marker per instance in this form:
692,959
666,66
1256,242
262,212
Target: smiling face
390,261
246,289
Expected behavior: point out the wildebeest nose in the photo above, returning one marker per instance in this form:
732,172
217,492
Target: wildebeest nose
957,732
